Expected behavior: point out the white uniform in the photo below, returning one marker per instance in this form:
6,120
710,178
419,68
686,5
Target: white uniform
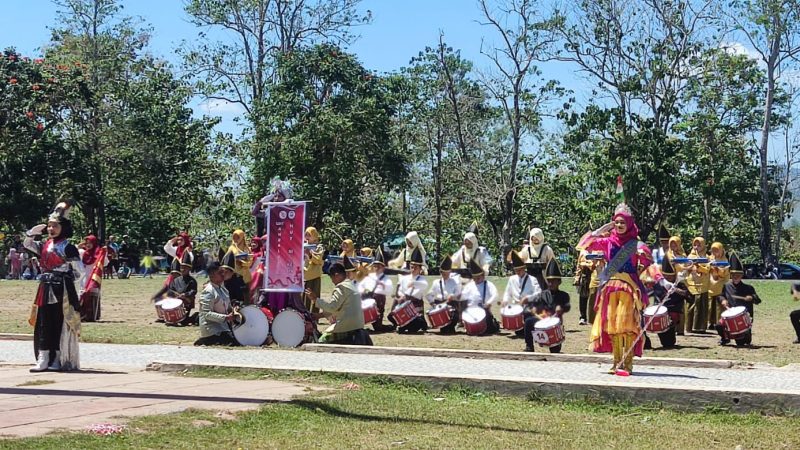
411,286
376,284
483,294
442,289
517,288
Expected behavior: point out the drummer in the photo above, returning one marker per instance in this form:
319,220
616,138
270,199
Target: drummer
377,285
550,302
345,306
660,251
737,293
447,289
412,288
521,287
215,310
182,286
481,292
238,290
673,302
537,255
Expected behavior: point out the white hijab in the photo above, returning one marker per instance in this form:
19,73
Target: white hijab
539,235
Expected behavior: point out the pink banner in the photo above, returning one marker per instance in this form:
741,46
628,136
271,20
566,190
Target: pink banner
286,223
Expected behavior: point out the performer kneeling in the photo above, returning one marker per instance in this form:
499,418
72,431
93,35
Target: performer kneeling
521,287
481,292
215,310
377,285
182,286
412,288
344,307
550,302
737,293
447,289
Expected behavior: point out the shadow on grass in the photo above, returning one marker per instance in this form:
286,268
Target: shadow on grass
679,347
315,406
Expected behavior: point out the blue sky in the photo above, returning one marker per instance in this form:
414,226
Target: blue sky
400,29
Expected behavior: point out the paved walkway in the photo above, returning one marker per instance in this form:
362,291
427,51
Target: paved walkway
78,400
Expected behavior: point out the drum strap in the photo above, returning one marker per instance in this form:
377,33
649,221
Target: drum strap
619,260
524,282
441,288
483,294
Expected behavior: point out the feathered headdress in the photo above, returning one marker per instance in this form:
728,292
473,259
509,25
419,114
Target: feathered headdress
61,211
285,187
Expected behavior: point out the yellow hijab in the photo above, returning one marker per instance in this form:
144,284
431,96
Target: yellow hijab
350,249
239,243
721,248
670,254
703,250
314,234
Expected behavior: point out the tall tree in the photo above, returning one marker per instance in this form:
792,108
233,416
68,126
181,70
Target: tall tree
772,28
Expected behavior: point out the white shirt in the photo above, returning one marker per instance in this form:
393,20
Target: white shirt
411,286
515,289
376,284
483,294
441,289
462,257
658,254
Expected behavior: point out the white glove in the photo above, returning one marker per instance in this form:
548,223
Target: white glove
665,284
37,230
604,229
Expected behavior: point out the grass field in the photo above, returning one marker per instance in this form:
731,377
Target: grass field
375,413
128,317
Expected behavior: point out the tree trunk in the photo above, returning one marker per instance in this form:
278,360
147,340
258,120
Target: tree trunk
764,241
437,196
706,216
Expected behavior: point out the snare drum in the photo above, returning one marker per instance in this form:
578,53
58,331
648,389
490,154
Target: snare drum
440,315
512,316
289,328
159,311
656,319
474,319
173,310
405,313
255,329
370,309
548,332
736,320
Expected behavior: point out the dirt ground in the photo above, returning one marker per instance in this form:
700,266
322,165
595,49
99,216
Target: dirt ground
128,317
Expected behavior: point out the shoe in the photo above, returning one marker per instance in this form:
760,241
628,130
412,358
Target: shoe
724,341
583,322
56,365
796,341
712,327
41,362
529,349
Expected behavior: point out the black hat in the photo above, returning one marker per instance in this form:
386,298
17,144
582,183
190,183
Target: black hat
212,267
379,258
447,263
348,265
666,267
736,265
175,267
186,259
663,233
228,261
552,270
474,269
516,260
416,257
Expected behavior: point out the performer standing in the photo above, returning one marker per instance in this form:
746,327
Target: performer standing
551,302
622,296
279,191
241,252
660,251
720,274
89,292
313,252
481,292
471,250
447,289
403,260
55,314
521,288
737,293
698,282
377,285
585,276
537,254
412,288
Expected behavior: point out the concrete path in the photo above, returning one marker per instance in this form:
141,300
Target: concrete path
36,404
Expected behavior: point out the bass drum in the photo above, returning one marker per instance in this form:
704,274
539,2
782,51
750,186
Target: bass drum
254,330
289,328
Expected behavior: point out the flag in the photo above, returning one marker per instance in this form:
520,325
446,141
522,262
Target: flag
96,277
619,191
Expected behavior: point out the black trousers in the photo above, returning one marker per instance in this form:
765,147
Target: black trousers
417,324
47,334
794,316
218,339
530,324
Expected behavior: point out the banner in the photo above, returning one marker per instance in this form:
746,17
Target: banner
283,259
96,277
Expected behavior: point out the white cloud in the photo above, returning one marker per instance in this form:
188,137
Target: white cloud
737,48
221,107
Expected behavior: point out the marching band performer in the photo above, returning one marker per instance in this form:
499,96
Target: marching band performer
363,268
521,287
403,260
312,265
672,299
238,290
720,274
622,296
377,285
89,293
182,286
737,293
55,314
586,282
279,191
243,258
698,280
794,316
447,289
661,250
481,292
216,314
537,254
412,288
471,250
345,306
676,251
547,303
